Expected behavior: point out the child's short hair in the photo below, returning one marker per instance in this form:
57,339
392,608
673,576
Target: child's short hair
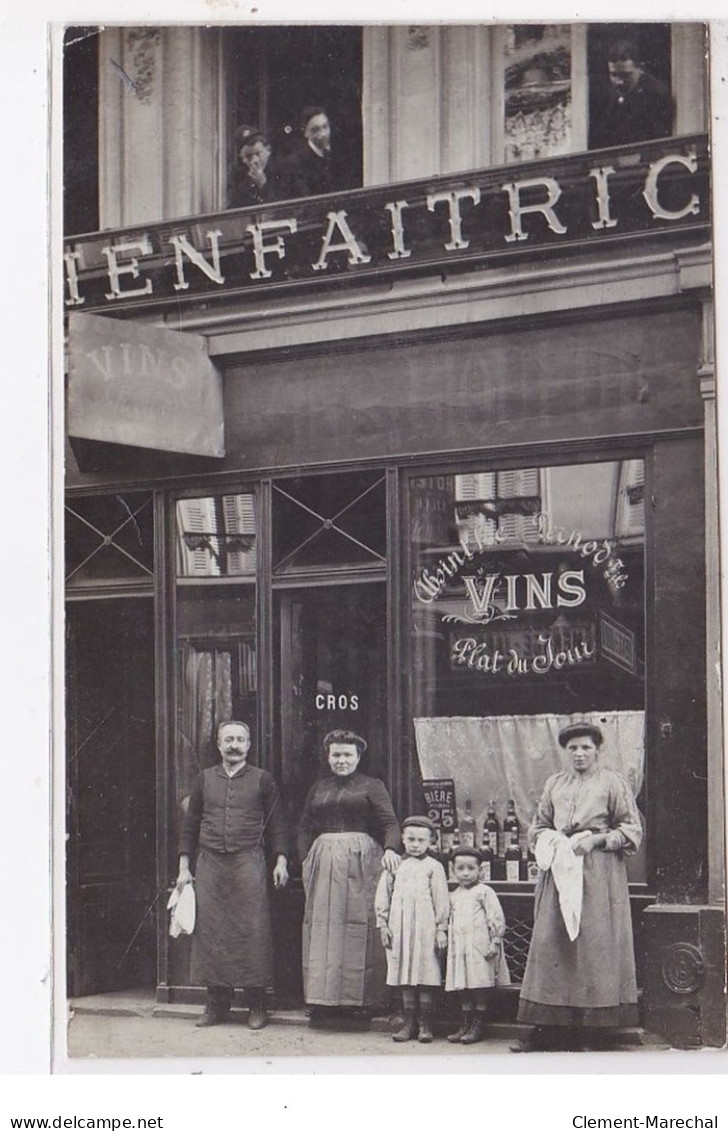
465,850
419,823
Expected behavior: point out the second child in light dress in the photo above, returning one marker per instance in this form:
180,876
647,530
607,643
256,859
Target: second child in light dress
475,958
412,909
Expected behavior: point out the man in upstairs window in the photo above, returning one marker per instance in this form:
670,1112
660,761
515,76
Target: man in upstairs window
638,106
312,169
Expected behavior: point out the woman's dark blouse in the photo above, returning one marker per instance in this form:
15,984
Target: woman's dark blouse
352,804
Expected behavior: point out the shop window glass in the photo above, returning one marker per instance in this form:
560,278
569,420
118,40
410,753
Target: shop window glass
109,539
216,536
216,642
527,611
329,521
538,96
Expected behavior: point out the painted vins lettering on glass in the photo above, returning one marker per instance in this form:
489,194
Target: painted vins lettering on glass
268,238
430,584
538,594
469,653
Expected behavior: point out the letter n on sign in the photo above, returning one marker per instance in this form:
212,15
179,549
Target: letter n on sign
143,386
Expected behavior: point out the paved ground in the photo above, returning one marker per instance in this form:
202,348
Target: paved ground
118,1028
96,1036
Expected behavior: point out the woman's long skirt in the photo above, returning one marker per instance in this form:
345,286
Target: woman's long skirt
231,943
591,981
343,958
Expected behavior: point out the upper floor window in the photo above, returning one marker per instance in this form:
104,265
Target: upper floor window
295,120
569,87
80,129
630,81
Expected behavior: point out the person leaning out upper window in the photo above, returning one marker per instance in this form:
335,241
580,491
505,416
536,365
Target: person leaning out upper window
638,107
252,178
312,168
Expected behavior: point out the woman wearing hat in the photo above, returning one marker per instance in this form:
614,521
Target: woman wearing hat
348,832
580,972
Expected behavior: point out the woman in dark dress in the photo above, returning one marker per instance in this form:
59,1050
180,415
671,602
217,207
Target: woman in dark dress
347,834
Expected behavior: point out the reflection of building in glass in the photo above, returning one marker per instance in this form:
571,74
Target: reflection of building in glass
538,93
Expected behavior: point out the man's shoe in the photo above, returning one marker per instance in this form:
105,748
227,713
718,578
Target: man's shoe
211,1015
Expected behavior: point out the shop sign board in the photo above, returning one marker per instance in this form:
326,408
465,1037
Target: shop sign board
143,386
435,225
617,644
440,800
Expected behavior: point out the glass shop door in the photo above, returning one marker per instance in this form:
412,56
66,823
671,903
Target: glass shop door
329,650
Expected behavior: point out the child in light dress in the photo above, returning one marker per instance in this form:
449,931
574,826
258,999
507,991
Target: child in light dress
412,909
475,958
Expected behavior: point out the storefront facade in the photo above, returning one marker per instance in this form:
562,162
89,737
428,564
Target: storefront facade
408,460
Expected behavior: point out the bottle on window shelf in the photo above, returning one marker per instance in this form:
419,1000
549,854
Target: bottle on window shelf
467,827
510,823
491,828
513,857
455,844
485,872
531,867
446,837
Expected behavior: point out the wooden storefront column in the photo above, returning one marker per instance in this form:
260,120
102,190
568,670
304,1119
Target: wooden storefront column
716,792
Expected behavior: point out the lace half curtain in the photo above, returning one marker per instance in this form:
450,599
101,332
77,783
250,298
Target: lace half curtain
511,756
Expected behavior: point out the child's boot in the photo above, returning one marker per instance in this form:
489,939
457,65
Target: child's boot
475,1032
467,1020
425,1034
408,1029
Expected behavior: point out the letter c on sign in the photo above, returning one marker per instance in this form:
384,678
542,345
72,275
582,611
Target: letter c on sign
650,190
319,702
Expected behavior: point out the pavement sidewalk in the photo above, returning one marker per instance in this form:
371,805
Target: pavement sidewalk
132,1026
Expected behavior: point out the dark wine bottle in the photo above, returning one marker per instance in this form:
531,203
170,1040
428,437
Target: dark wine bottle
513,857
510,822
485,872
467,827
491,829
455,845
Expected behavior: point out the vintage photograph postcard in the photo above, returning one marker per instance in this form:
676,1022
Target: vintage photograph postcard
392,718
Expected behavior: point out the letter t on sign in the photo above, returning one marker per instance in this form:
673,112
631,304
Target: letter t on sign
456,242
